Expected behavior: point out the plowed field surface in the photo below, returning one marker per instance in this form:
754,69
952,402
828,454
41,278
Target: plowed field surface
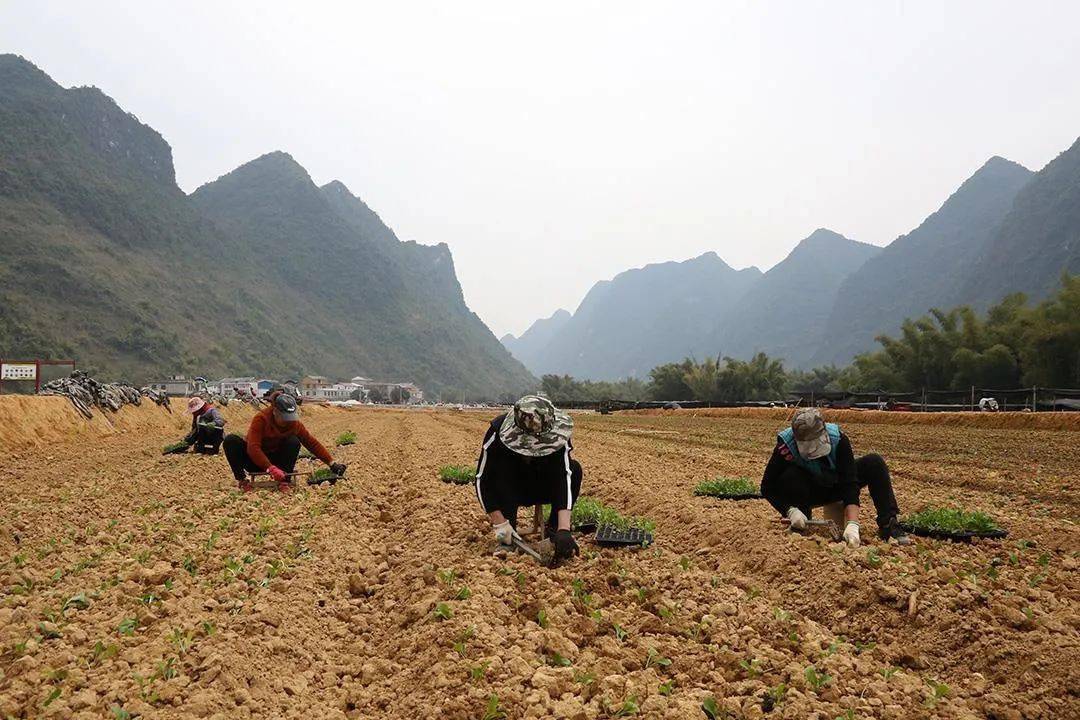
149,585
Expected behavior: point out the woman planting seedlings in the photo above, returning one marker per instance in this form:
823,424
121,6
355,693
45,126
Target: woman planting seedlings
525,460
207,427
813,465
273,443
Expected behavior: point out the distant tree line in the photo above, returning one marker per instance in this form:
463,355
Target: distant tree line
1014,344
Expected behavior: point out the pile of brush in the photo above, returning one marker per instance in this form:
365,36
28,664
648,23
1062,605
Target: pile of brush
87,393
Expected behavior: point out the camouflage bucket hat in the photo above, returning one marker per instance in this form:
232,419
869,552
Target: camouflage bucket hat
534,427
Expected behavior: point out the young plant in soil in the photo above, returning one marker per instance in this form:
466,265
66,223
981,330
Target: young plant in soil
443,612
711,708
346,438
457,474
493,711
726,486
954,520
816,680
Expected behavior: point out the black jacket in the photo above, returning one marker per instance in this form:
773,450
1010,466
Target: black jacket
843,478
506,479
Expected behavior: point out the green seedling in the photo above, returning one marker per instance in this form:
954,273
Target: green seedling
77,602
457,474
55,693
493,711
463,593
684,563
49,632
558,660
19,559
542,618
953,520
101,652
726,486
816,680
181,640
938,691
849,714
629,707
620,633
174,447
590,511
711,708
477,672
584,677
751,667
774,696
119,713
166,669
667,688
782,615
872,558
655,658
208,628
127,626
322,475
346,438
888,672
447,577
443,612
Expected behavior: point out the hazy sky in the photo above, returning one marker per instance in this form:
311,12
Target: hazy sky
555,144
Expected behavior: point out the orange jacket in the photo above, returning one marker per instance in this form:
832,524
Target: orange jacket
265,435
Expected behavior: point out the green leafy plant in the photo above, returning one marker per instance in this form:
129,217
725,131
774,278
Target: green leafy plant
493,711
322,475
816,680
655,658
127,626
629,707
711,708
666,688
457,474
120,713
463,593
751,667
346,438
558,660
954,520
78,602
174,447
477,672
888,672
443,612
542,618
938,691
872,558
620,632
726,486
774,696
590,511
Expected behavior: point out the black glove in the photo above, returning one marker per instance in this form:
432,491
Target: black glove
565,545
338,468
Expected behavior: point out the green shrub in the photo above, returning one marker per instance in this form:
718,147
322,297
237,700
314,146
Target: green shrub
723,486
457,474
952,520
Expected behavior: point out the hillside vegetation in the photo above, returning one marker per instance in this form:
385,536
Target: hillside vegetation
108,262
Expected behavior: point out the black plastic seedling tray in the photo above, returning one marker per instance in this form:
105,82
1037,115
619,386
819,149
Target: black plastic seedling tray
611,536
964,536
739,496
585,528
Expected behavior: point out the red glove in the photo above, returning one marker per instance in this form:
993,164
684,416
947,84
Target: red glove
277,473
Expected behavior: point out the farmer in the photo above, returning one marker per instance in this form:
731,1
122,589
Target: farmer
813,465
525,460
273,443
207,427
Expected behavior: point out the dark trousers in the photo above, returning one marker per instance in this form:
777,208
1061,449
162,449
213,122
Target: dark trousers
237,455
508,503
797,487
208,440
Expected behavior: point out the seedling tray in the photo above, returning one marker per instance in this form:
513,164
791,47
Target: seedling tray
611,536
175,449
734,496
963,536
585,528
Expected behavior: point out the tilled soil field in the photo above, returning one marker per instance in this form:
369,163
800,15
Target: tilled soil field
140,585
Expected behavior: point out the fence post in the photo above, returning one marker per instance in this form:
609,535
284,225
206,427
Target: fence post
972,398
1035,399
924,399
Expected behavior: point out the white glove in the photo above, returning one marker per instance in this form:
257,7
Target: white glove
504,533
797,519
851,534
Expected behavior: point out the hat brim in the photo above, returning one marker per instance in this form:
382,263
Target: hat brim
816,448
531,445
287,417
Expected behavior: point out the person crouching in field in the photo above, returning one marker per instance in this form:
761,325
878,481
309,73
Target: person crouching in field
525,460
813,465
273,443
207,427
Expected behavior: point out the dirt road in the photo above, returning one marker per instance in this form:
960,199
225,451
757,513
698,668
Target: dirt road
146,583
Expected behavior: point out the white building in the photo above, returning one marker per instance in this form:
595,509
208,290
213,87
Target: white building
238,386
